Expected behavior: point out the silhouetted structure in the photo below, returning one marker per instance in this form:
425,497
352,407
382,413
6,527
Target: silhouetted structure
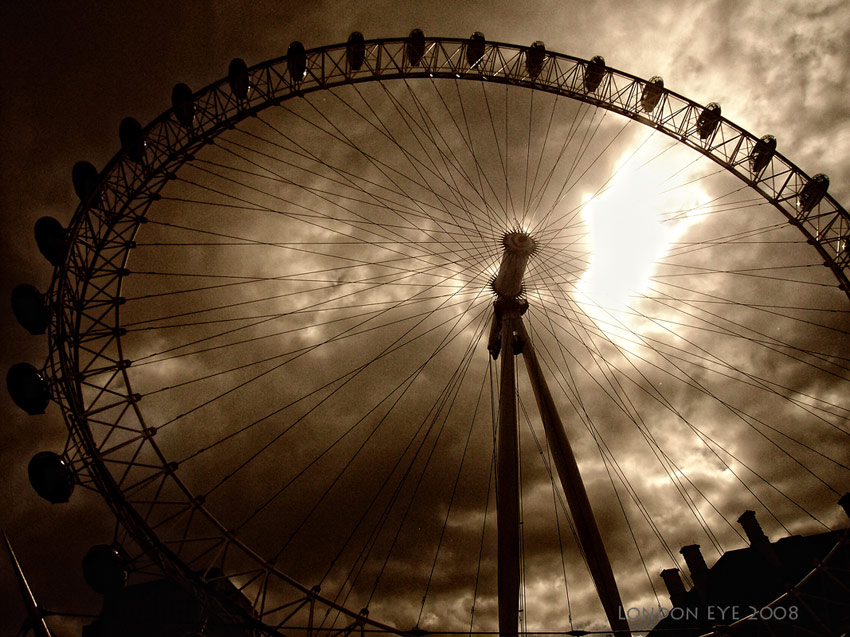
164,608
810,574
35,613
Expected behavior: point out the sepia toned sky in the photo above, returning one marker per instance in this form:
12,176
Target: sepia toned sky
72,71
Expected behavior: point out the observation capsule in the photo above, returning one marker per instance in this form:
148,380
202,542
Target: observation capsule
594,73
813,192
29,309
475,49
104,570
652,93
130,134
296,62
237,77
51,477
762,153
355,51
414,48
50,239
535,57
85,179
183,104
27,388
708,120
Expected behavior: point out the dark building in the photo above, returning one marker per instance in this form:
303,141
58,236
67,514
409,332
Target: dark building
164,608
799,585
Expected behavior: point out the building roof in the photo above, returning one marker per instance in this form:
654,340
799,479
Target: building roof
813,570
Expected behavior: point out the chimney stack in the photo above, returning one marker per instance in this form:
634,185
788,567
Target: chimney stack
673,582
760,542
753,529
696,566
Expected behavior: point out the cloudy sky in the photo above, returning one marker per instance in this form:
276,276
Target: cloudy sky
72,72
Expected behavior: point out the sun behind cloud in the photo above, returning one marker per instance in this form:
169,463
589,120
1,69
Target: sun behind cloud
631,224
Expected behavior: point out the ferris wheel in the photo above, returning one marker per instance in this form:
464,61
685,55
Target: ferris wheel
284,325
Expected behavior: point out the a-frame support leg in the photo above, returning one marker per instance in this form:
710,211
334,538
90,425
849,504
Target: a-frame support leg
567,468
507,485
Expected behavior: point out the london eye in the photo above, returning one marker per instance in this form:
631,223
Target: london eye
286,321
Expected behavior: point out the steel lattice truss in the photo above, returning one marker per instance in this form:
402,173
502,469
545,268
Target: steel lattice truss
88,372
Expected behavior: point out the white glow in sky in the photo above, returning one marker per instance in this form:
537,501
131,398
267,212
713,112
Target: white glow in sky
631,225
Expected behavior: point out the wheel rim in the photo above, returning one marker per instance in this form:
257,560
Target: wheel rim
106,399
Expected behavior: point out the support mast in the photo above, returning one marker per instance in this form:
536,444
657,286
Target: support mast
507,485
508,337
568,472
507,310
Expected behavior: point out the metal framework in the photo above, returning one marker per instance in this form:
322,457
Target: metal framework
86,366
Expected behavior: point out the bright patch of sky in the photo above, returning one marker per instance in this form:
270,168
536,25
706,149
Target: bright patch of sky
631,228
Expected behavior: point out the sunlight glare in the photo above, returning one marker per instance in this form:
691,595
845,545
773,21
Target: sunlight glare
631,226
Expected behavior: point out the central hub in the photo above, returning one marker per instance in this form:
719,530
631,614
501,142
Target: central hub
519,247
